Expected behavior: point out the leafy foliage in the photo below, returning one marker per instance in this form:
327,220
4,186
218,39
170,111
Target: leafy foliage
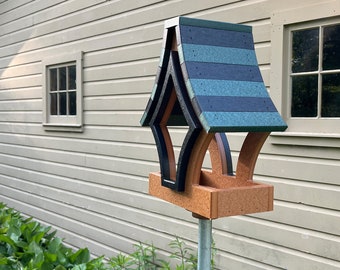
27,245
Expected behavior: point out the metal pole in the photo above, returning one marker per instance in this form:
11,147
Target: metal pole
204,244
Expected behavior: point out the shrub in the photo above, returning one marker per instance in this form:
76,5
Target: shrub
27,245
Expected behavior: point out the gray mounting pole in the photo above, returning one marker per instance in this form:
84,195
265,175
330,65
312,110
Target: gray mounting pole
204,244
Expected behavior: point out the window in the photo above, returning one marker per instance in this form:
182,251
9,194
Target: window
315,71
62,93
305,70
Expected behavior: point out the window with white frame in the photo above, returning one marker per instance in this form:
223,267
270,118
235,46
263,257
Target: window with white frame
305,70
62,92
314,71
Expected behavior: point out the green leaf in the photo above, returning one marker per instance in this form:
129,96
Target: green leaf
38,260
37,237
37,251
7,239
14,233
3,261
54,245
60,267
81,256
52,257
80,267
34,248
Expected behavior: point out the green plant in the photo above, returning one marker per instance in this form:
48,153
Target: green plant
121,262
27,245
184,254
144,258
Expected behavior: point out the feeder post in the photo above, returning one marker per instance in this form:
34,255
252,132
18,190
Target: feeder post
204,242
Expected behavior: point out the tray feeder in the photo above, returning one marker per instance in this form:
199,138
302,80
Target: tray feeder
208,79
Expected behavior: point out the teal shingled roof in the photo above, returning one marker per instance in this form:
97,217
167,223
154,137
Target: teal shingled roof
221,75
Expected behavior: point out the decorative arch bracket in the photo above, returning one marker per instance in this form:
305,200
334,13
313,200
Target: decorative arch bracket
208,79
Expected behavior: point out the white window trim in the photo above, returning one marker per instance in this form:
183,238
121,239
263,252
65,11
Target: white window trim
61,123
279,79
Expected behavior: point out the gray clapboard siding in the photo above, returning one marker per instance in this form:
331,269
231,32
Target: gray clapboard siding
299,168
116,103
21,105
313,242
20,117
134,52
314,194
141,68
60,145
21,82
107,133
23,93
120,165
122,86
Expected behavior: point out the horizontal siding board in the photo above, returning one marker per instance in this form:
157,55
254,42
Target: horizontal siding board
28,9
125,119
78,207
121,71
114,231
109,133
6,6
22,70
103,202
288,236
55,146
21,82
70,226
118,165
116,39
19,117
118,87
315,170
118,182
271,254
20,94
131,53
71,14
124,37
20,105
116,103
313,218
102,27
313,194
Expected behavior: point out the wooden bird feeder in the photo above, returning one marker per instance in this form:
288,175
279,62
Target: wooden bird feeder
208,79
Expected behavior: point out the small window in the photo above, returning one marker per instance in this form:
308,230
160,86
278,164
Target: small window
63,92
315,72
304,68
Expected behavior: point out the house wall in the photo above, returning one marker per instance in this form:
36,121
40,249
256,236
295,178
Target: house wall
93,185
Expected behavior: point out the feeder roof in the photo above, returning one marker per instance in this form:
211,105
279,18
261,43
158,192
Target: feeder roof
221,76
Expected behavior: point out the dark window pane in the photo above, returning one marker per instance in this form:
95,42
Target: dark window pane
304,96
330,95
72,77
305,50
62,78
62,104
54,104
53,79
72,103
331,47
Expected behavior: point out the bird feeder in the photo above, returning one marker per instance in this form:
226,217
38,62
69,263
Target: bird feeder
208,79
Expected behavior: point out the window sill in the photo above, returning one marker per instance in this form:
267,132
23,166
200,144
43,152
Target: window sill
63,127
306,139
